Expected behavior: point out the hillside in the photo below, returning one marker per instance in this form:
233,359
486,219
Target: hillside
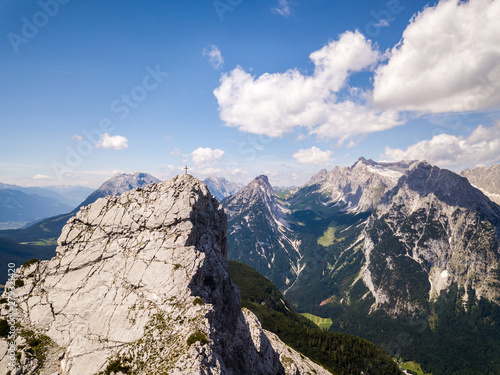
342,353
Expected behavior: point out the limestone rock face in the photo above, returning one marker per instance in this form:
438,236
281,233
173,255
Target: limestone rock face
486,179
140,283
433,229
357,188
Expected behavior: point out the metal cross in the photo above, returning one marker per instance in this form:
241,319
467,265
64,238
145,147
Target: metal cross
186,169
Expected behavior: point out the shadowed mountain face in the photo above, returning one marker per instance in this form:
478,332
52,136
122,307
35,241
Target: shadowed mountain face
259,233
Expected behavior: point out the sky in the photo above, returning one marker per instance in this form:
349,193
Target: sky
240,88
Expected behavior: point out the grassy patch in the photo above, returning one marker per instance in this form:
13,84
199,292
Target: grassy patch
328,238
413,368
324,323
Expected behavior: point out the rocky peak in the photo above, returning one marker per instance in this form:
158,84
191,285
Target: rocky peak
360,186
257,191
140,283
318,177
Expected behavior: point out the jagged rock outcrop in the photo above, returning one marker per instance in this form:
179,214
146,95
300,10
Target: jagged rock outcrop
433,229
140,283
260,235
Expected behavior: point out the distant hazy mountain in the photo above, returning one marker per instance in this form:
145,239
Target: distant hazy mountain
486,179
221,187
120,184
74,194
18,208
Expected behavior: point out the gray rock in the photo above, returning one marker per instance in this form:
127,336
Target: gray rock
140,282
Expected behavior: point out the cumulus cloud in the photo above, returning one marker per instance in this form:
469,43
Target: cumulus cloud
206,156
313,155
446,61
214,56
41,177
283,8
274,104
116,142
482,146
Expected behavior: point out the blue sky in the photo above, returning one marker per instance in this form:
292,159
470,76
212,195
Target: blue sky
239,88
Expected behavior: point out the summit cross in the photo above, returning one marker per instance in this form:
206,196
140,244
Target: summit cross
186,169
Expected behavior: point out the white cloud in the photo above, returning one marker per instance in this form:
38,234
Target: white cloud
276,103
206,156
283,8
214,56
446,61
41,177
116,142
313,155
78,137
482,146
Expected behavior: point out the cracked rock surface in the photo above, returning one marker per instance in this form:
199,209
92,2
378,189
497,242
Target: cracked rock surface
140,283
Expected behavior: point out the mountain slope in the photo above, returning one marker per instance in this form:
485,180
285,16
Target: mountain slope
404,251
432,230
486,179
259,233
140,285
345,354
221,187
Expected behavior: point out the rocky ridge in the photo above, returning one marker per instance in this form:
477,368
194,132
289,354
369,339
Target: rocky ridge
140,283
357,188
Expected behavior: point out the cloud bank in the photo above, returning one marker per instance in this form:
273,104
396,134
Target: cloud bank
447,60
276,103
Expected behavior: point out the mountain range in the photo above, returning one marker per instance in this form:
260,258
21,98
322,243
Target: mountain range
20,206
404,254
377,247
140,284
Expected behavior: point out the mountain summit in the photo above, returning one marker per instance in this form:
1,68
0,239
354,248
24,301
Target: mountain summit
140,284
260,234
